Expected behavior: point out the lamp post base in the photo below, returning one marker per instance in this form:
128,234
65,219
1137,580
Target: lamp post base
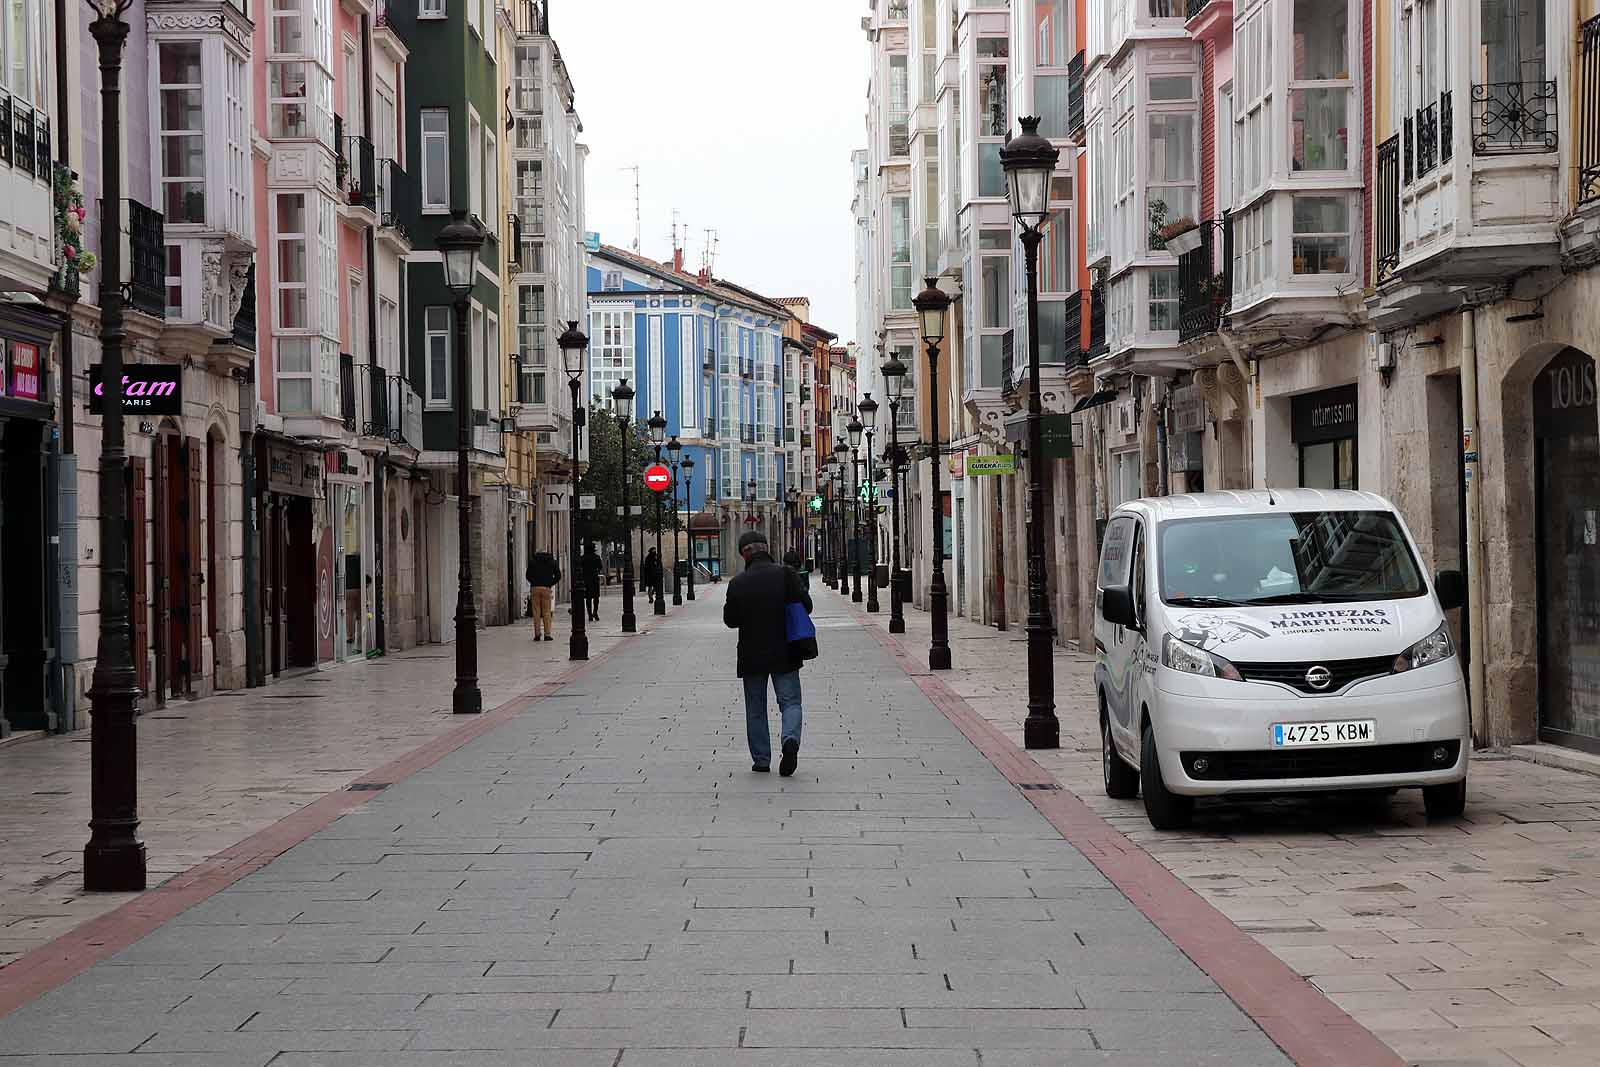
872,605
578,647
466,700
897,624
114,868
1041,731
661,607
939,658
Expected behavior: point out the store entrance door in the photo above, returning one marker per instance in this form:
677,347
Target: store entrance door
1567,483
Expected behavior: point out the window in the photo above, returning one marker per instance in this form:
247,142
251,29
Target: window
495,388
286,93
1224,148
1512,75
491,179
436,159
432,9
900,253
1252,248
1050,21
1119,313
612,280
611,360
899,107
1320,86
996,292
474,163
174,281
355,339
475,16
21,69
1164,299
389,335
1172,194
930,215
182,133
1321,234
293,364
1253,52
1055,254
476,398
531,328
239,174
290,262
436,343
299,72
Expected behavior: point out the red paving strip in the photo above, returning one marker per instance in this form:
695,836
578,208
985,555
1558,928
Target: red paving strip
54,964
1311,1029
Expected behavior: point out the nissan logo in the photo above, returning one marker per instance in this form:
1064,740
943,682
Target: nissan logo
1319,677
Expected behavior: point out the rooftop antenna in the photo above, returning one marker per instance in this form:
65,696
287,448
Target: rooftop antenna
637,227
708,255
678,235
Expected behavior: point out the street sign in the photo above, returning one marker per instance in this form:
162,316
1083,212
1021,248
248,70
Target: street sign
586,502
558,497
634,509
977,465
657,478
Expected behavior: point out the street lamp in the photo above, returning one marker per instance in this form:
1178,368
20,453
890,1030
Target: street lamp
853,541
573,344
114,858
931,305
622,405
658,434
894,380
869,416
675,452
688,505
458,245
1030,162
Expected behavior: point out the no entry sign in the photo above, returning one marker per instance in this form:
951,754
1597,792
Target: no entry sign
657,478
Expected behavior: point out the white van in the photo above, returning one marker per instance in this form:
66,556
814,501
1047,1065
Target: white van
1274,641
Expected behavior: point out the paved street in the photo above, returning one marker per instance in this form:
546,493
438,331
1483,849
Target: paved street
601,879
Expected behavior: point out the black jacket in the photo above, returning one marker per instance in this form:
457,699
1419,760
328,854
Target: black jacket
755,607
593,568
543,570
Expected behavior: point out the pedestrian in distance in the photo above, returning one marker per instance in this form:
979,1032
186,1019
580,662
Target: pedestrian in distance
593,570
544,573
757,606
791,559
650,573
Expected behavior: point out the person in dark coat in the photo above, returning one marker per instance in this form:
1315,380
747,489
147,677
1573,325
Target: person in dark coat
593,570
650,573
755,606
544,574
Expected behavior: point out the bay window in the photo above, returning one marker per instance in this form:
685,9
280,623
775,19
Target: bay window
900,281
1320,86
1252,250
1171,191
996,285
294,362
299,71
994,121
182,132
1321,234
1253,52
1513,103
1119,312
436,159
290,259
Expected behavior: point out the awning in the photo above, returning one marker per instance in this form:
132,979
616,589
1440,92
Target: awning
705,520
1104,396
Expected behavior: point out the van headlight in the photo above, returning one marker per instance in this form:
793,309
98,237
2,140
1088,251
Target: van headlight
1435,648
1186,658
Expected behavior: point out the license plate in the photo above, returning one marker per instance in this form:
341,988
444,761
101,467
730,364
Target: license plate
1296,734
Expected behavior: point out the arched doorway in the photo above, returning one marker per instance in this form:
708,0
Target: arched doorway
1567,528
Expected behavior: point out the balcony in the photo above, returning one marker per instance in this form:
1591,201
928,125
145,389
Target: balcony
1514,118
1097,322
372,389
897,11
1586,125
1072,331
1075,120
1427,127
747,434
357,170
1008,362
387,31
1386,206
1204,285
528,17
147,256
347,391
397,196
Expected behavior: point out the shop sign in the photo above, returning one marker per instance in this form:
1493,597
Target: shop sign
586,502
982,465
558,498
292,472
1326,416
1056,432
1563,397
1188,409
147,389
24,377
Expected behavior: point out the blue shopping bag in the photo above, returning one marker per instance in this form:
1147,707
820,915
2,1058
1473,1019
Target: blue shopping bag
800,630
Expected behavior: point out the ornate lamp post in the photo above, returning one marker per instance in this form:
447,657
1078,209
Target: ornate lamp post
868,408
658,434
847,455
1029,162
688,505
573,344
622,405
459,243
114,858
825,530
931,305
894,378
674,452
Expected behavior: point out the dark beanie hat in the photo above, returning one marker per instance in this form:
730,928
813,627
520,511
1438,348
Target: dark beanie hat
752,538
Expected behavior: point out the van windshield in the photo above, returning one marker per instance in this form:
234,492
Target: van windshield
1303,557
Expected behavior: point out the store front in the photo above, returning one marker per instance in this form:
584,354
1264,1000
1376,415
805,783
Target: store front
705,532
25,434
293,582
353,594
1323,426
1567,506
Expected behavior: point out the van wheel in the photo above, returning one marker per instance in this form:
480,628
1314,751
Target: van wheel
1445,801
1166,810
1122,781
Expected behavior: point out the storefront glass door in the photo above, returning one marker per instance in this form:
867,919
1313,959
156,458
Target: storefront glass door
347,570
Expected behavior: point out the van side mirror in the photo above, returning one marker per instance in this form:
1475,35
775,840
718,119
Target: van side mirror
1451,589
1116,604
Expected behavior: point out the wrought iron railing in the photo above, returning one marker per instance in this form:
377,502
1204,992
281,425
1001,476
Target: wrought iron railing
898,11
386,20
1427,127
1075,94
1387,208
244,320
1167,9
1586,122
22,136
1410,147
42,163
5,127
1447,125
527,17
1008,360
747,433
374,387
1097,321
1514,118
1072,331
1205,286
147,260
397,193
1197,6
361,179
347,390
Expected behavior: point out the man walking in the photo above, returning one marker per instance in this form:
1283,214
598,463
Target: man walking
543,574
593,570
756,606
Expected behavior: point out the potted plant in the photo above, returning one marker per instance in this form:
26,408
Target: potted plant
1181,224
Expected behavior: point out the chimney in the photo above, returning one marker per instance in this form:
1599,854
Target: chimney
677,260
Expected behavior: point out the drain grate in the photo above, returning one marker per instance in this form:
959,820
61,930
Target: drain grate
1039,785
367,787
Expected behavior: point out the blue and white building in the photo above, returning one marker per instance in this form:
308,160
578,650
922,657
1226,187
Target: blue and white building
708,355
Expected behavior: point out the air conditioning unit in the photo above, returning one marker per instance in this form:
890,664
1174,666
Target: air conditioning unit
1125,420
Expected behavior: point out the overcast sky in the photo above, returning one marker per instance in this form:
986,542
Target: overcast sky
740,114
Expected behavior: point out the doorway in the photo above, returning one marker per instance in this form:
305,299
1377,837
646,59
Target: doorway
298,593
1567,528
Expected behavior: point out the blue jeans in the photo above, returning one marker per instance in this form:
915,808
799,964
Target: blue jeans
787,686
